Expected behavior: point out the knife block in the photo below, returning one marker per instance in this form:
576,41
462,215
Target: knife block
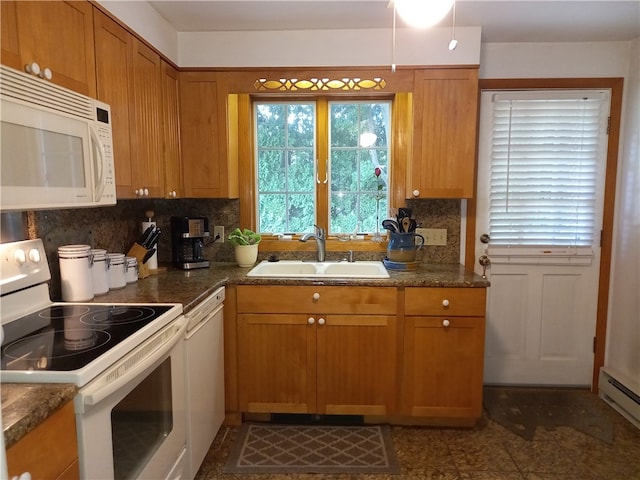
138,251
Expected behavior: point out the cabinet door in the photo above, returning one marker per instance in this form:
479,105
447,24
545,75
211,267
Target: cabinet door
276,363
208,170
170,129
48,451
444,140
356,364
443,359
55,35
114,66
148,168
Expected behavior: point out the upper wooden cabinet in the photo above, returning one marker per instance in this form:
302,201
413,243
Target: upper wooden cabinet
444,136
208,135
171,132
129,79
55,35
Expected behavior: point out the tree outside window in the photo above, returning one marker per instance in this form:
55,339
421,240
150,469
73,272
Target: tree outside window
289,186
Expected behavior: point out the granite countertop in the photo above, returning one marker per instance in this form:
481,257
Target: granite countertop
189,287
24,406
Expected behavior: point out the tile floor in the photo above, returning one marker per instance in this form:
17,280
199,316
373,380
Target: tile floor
486,452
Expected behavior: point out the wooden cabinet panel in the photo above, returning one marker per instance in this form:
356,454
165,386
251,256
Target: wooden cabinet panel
357,358
48,451
443,353
444,139
129,80
171,132
276,363
207,115
55,35
443,366
114,67
352,300
445,301
322,360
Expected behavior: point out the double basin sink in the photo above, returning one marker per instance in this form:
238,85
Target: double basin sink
301,269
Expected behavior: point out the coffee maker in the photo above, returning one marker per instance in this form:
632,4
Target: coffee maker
187,242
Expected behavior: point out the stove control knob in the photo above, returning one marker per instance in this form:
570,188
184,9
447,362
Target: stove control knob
20,256
34,255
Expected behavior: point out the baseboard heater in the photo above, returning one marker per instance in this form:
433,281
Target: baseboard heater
621,392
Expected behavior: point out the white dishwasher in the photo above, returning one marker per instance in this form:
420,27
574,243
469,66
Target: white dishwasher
204,362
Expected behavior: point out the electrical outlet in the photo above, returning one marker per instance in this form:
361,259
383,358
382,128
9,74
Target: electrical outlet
433,236
218,230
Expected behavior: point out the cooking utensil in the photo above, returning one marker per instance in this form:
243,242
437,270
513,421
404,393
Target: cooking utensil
404,212
405,224
412,225
391,225
153,239
145,235
148,255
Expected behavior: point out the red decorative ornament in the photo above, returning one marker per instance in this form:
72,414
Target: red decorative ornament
377,171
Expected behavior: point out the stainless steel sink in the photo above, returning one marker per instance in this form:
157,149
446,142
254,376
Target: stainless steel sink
298,268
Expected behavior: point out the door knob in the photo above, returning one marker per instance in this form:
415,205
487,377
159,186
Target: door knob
484,238
485,262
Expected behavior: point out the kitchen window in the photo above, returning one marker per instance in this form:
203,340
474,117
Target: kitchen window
324,162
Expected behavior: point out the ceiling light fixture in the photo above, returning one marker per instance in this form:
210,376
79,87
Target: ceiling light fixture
453,43
422,13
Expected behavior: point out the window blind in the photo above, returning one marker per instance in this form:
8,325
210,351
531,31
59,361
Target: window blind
546,156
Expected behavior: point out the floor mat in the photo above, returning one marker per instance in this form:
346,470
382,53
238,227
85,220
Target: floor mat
276,448
521,410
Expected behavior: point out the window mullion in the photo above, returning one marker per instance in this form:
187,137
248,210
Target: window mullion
322,163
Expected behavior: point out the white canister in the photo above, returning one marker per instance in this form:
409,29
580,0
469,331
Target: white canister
131,270
117,267
75,272
100,271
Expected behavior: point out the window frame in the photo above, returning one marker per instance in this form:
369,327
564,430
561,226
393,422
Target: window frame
401,134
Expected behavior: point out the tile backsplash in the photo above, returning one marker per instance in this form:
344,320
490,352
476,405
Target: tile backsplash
116,228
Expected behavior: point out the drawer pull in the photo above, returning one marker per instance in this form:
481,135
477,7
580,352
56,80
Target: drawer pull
321,321
316,296
311,320
445,323
445,303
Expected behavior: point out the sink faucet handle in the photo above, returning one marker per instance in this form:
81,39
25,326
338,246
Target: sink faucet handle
319,231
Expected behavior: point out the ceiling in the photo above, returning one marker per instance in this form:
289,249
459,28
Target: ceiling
501,20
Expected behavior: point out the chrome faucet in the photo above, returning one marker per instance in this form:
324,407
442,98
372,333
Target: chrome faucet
320,237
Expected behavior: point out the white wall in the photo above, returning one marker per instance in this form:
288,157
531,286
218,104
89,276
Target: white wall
623,336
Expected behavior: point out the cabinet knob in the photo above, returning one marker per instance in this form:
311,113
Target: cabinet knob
445,303
311,320
32,68
445,323
321,321
142,192
416,193
316,296
46,74
173,194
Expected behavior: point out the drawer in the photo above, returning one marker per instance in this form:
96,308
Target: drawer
320,299
445,301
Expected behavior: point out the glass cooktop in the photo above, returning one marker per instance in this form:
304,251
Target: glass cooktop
74,335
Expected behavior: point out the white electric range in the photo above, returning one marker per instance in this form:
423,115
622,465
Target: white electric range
126,359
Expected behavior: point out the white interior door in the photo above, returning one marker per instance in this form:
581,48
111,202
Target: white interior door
541,305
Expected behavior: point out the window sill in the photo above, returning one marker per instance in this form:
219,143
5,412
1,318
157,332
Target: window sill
273,244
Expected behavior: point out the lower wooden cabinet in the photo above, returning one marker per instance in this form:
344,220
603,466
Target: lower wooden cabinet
411,353
317,362
443,353
48,451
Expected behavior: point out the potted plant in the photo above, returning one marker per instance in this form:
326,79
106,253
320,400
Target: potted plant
245,244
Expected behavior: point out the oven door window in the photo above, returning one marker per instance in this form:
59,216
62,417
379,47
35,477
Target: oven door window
141,421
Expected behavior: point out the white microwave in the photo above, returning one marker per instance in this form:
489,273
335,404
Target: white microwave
56,146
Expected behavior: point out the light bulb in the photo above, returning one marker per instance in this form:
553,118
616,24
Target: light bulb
422,13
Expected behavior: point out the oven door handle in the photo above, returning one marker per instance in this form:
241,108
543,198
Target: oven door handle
94,394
